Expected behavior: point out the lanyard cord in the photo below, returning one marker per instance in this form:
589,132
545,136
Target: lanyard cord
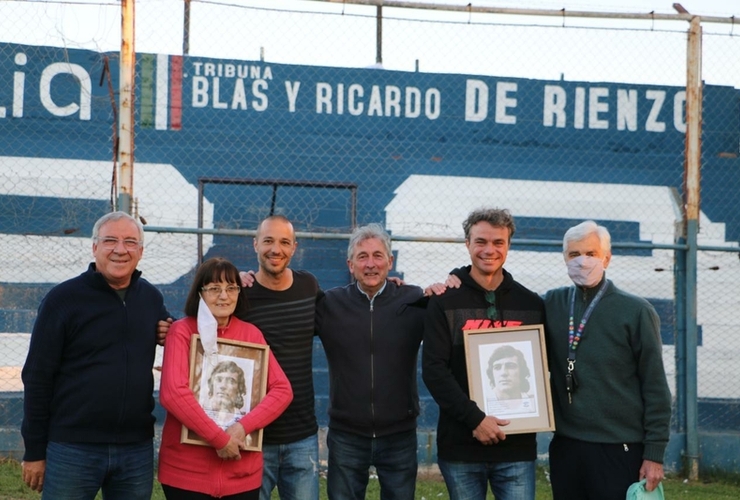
574,336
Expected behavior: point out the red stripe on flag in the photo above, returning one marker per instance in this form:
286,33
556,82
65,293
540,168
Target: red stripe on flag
176,92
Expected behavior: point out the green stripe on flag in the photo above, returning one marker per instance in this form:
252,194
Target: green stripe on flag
147,90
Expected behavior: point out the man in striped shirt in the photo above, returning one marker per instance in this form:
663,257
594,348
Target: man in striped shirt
282,304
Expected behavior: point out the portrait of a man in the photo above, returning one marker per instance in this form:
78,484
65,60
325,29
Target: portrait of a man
228,385
508,389
227,392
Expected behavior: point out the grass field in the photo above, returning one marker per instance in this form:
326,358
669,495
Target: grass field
429,487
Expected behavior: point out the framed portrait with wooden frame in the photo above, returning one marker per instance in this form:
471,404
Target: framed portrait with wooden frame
508,376
229,386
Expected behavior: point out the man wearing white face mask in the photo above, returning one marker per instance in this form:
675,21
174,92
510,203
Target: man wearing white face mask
610,395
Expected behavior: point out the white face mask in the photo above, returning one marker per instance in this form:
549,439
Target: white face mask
585,270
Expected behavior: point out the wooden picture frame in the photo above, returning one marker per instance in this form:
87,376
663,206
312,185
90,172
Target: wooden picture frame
495,356
246,363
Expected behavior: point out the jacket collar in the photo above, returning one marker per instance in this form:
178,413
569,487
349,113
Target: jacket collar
587,294
95,279
382,289
464,274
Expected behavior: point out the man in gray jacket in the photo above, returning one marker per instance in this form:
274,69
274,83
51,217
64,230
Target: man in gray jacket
371,331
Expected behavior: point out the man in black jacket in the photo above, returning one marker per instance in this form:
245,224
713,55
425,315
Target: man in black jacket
371,331
473,450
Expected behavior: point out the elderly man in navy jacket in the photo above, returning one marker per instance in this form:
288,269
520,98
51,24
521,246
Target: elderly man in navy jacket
88,381
371,331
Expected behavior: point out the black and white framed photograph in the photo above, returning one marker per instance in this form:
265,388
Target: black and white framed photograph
508,376
228,385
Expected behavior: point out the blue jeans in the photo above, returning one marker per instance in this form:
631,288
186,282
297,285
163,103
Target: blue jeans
293,468
76,471
350,457
470,480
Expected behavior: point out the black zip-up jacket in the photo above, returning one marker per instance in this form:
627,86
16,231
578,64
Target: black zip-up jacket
372,349
88,375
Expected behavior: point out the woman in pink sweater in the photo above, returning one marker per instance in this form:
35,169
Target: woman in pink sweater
223,469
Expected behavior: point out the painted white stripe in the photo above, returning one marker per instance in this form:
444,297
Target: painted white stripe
163,197
162,88
13,352
657,209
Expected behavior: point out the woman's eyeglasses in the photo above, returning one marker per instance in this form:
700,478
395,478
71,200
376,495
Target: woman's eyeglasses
216,291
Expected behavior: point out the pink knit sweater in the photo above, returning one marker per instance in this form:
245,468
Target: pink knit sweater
198,468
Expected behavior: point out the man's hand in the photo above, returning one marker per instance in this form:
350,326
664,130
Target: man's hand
489,430
453,281
247,278
33,474
653,472
435,289
162,328
396,280
236,430
230,451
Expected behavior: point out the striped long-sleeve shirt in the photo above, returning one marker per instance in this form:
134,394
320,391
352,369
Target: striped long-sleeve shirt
286,319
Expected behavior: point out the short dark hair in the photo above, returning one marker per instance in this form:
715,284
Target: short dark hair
507,351
212,271
497,217
231,367
276,217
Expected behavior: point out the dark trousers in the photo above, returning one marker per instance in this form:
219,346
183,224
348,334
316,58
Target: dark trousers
172,493
593,471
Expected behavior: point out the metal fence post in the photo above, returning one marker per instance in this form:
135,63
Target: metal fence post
379,35
680,340
692,188
126,104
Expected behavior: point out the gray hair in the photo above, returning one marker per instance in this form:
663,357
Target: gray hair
363,233
497,217
585,229
115,216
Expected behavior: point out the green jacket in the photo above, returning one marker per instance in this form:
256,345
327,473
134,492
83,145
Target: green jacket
622,394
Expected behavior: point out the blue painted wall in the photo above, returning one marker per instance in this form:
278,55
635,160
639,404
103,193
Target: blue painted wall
308,140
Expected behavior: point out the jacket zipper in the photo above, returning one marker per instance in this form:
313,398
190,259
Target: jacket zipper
372,367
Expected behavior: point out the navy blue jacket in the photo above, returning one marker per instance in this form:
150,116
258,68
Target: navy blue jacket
88,375
372,348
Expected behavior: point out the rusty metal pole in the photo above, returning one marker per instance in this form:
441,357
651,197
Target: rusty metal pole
379,35
692,185
126,111
186,29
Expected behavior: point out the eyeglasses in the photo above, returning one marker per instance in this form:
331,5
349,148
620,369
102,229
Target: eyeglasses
491,312
216,291
112,243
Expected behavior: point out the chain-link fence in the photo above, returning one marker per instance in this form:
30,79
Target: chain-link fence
336,114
